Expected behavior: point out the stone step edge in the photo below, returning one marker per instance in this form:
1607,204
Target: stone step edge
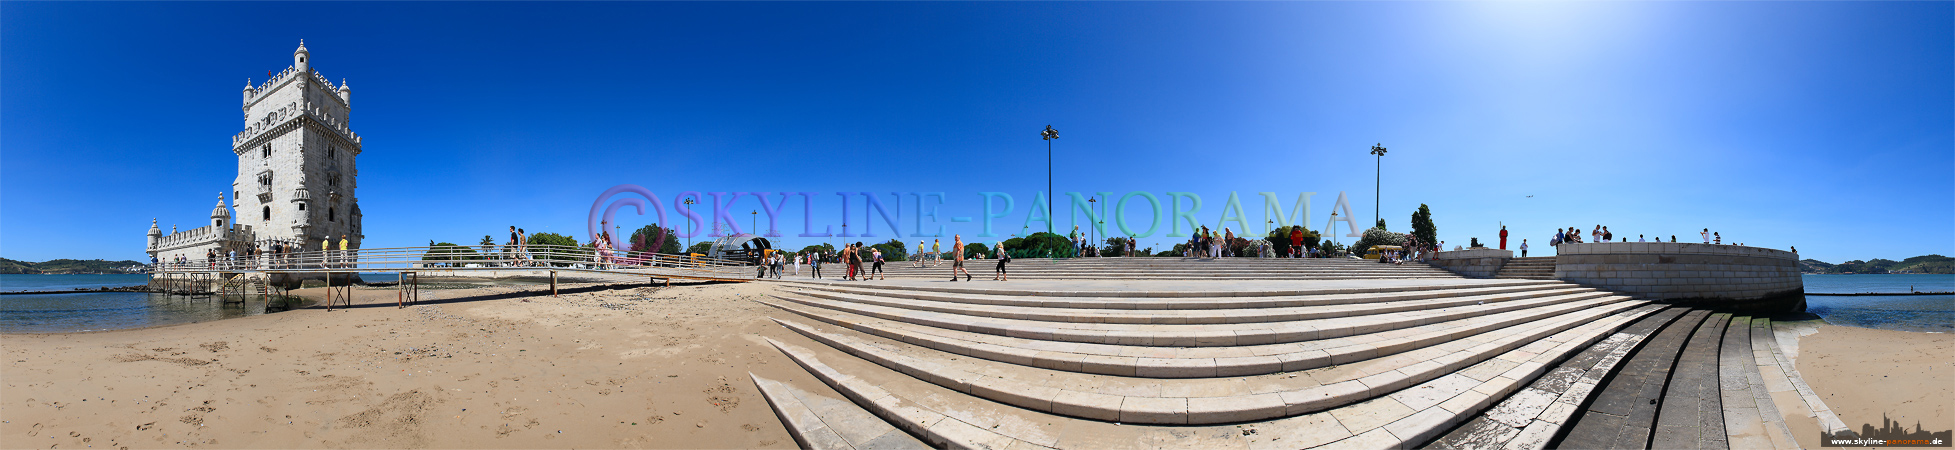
813,431
1525,422
936,428
1224,335
1762,387
1181,367
1463,400
1828,421
1213,316
1187,410
1180,303
1157,294
1744,425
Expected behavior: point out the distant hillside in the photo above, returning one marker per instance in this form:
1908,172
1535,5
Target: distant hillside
66,266
1936,264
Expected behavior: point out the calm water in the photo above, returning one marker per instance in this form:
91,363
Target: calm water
95,311
1902,312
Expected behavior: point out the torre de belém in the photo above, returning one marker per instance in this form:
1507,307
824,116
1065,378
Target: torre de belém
296,172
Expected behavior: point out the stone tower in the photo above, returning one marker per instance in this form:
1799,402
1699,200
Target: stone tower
297,159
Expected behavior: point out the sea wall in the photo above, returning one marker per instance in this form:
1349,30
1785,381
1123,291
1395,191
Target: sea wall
1475,263
1721,277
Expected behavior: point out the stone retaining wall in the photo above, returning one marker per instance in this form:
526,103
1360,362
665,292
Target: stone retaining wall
1476,263
1721,277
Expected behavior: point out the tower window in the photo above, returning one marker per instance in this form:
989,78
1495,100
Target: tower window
332,152
268,213
266,152
302,207
329,215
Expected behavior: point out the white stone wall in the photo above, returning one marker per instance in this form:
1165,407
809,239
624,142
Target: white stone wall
1713,274
1476,263
302,118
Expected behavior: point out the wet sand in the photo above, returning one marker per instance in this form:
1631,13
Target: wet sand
619,366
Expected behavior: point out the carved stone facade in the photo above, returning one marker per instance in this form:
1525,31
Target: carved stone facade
297,170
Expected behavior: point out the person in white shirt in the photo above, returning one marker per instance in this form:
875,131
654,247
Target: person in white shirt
1706,234
1523,248
1639,238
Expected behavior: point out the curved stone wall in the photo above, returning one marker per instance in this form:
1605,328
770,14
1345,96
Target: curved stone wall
1475,263
1722,277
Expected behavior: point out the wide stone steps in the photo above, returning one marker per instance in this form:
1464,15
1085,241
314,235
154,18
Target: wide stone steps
1206,335
822,423
1447,363
1163,269
1532,268
1187,315
1183,362
1194,401
1273,300
1404,418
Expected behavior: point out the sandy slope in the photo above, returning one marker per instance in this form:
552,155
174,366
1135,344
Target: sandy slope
605,366
1863,373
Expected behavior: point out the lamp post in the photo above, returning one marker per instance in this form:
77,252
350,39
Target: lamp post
1048,135
690,228
1379,151
1333,227
1091,202
756,221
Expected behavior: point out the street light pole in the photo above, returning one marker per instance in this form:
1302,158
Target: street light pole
1049,134
756,221
1378,150
691,229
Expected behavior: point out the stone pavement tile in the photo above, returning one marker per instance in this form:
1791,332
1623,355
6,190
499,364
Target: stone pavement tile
1371,414
1199,438
1521,408
1235,409
1087,405
1083,434
892,440
1432,393
1205,387
1424,426
1303,431
957,434
1534,437
1369,440
1478,433
1154,410
1324,397
1597,430
1487,370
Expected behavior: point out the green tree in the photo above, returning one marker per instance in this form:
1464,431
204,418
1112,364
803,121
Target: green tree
700,248
893,250
973,249
649,236
1116,246
1377,236
1422,226
1040,245
488,244
445,251
1381,223
817,248
554,246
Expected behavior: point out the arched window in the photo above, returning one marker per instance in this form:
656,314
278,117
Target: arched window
267,152
332,152
329,215
268,213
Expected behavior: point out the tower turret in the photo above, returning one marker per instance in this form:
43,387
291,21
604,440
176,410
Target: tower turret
220,215
345,93
300,57
155,234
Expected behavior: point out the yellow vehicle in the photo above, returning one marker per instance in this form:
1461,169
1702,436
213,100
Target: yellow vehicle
1377,251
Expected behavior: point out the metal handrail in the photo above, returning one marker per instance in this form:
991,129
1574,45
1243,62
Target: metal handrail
396,259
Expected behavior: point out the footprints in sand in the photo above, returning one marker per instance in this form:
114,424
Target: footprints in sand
725,395
217,346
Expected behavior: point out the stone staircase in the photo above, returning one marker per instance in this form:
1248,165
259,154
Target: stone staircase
1159,269
1533,268
1367,363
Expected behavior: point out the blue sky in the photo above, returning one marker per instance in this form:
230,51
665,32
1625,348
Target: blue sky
1823,125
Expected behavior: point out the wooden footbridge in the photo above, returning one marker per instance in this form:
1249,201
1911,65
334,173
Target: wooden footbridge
339,269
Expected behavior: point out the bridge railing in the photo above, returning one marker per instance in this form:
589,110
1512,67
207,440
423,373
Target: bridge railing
397,259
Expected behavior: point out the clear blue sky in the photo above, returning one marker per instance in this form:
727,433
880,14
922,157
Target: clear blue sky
1825,125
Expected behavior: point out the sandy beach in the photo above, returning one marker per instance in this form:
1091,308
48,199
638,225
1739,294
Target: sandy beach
1864,373
606,366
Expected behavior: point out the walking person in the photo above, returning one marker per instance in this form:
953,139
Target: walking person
797,263
877,269
522,247
918,260
814,264
345,254
1523,247
1228,242
1503,237
1002,259
1296,242
957,263
936,252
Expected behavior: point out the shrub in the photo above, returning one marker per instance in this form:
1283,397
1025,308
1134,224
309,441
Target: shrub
702,248
1377,236
1040,245
817,248
1116,246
